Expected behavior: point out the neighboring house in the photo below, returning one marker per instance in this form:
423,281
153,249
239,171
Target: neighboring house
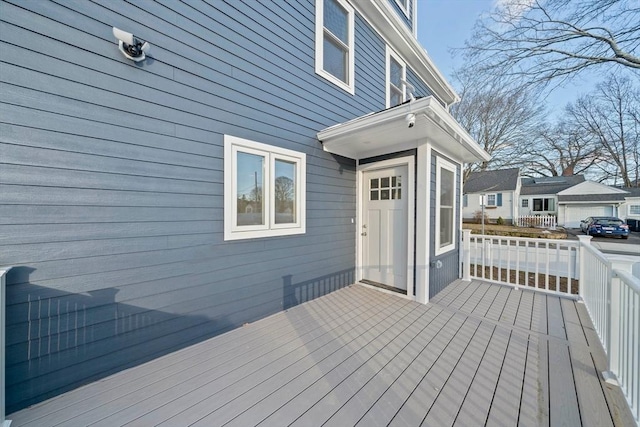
539,196
630,209
589,199
498,188
235,172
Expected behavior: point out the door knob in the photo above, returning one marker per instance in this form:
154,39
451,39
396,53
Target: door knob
364,233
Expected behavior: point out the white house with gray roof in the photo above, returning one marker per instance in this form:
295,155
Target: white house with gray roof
500,189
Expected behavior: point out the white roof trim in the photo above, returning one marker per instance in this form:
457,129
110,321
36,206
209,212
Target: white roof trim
387,132
384,19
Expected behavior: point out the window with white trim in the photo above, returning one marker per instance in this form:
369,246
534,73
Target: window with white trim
396,72
335,42
404,6
525,203
634,209
445,206
264,190
491,199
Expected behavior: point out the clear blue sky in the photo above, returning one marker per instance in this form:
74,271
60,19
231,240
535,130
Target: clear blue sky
446,24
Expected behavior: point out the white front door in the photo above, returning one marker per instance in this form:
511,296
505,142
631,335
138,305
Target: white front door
384,226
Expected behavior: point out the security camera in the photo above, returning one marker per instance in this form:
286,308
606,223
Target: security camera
411,120
130,46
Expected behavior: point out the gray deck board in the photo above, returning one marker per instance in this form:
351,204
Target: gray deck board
478,354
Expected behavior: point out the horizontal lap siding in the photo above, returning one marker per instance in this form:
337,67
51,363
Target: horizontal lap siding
111,176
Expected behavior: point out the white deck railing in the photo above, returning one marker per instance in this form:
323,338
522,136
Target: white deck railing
3,273
609,290
612,297
546,264
546,221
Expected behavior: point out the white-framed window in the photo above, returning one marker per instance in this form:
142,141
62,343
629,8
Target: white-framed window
396,72
491,199
634,209
404,6
542,205
335,43
525,203
445,206
264,190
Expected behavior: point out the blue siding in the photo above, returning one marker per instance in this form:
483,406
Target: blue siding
111,208
439,278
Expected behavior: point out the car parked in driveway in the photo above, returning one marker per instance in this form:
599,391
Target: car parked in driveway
604,226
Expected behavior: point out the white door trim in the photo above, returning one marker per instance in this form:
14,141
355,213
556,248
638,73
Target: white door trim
408,161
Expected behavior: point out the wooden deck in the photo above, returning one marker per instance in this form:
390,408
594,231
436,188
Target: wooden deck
478,354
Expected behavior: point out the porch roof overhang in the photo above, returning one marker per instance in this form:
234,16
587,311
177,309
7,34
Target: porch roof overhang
387,131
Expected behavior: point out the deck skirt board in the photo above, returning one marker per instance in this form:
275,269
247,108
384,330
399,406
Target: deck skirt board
477,354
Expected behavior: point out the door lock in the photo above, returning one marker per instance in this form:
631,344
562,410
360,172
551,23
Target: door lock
364,233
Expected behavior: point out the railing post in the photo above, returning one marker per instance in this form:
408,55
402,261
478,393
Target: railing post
613,344
582,241
3,275
466,263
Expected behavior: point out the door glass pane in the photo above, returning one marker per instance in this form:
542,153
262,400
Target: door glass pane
285,192
384,194
374,195
374,183
250,189
384,182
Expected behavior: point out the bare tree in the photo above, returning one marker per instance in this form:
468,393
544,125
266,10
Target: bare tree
611,115
564,149
500,120
540,41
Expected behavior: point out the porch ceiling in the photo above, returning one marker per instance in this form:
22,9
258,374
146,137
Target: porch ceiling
387,131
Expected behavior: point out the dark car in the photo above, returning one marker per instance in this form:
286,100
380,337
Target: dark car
604,226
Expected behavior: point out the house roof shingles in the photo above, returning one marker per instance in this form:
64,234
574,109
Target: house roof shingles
549,185
611,197
496,180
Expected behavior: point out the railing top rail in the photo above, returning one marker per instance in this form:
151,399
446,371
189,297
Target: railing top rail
596,253
629,279
529,239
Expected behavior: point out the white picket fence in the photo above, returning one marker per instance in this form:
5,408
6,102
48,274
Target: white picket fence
610,292
546,221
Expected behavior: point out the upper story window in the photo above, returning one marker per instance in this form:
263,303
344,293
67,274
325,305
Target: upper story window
335,42
396,73
264,190
404,6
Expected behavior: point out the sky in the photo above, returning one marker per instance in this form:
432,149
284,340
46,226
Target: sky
446,24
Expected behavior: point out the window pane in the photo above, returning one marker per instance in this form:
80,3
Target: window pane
374,195
336,20
374,183
384,182
285,192
384,194
525,203
335,59
250,189
446,187
446,225
491,199
395,72
395,98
